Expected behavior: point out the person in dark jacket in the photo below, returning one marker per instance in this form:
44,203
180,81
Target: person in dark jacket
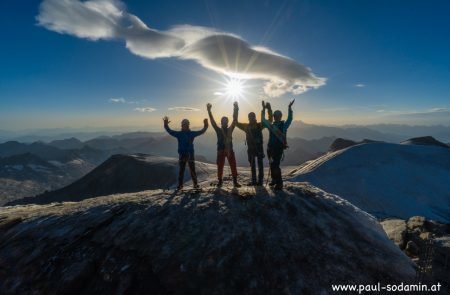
254,139
185,139
277,141
224,145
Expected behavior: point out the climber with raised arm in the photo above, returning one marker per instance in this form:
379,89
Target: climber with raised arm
224,145
277,141
254,140
185,139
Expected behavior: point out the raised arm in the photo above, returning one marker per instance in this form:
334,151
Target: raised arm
264,121
166,126
235,118
203,130
211,117
235,114
269,112
290,116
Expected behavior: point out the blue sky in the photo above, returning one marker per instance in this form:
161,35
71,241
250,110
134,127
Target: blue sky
383,61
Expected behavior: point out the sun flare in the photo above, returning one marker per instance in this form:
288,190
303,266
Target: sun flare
234,88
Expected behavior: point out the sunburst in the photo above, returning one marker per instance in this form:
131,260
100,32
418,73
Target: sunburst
234,88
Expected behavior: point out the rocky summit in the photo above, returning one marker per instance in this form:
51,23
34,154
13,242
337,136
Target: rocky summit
216,241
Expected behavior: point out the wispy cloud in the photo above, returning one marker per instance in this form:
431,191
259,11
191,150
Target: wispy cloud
412,113
145,110
125,101
360,85
221,52
184,109
336,109
430,116
439,110
117,100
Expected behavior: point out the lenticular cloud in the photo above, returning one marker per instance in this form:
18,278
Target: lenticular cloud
221,52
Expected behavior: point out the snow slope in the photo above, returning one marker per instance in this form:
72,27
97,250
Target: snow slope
384,179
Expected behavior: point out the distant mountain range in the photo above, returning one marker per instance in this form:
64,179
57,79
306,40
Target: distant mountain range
121,174
30,169
71,158
156,143
382,132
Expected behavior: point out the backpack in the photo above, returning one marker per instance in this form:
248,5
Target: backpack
227,137
255,133
280,135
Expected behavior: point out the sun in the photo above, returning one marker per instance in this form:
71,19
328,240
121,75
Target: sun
234,88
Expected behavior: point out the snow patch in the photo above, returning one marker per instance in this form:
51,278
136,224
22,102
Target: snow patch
76,162
38,168
56,163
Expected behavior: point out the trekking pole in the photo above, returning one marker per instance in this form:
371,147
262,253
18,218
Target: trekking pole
268,173
229,174
252,163
268,176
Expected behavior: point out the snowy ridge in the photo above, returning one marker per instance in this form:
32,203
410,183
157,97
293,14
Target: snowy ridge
387,180
313,164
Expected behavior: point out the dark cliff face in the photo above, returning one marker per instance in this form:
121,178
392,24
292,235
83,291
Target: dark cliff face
425,140
299,241
341,143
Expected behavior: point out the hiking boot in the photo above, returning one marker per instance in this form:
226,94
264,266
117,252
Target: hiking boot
219,183
272,183
236,183
179,187
278,187
196,186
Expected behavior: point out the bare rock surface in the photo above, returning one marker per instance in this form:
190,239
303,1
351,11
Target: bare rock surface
215,241
396,231
427,242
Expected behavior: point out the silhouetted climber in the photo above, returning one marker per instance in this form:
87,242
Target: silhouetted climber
224,145
185,139
254,140
277,141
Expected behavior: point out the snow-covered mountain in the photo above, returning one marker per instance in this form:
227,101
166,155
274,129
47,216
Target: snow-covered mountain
385,179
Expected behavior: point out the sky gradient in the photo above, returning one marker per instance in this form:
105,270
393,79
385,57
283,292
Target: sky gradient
360,62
